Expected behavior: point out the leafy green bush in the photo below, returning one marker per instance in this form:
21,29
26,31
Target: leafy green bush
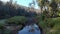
54,21
17,20
50,22
56,27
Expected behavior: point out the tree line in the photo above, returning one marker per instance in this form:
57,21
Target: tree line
9,10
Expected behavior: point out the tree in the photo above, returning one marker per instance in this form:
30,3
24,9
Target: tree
51,12
54,8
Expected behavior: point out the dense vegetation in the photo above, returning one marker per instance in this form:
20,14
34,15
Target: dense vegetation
13,15
48,20
17,20
50,16
9,10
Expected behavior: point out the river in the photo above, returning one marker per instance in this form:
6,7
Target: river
28,30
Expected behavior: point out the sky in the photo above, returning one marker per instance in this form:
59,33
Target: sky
23,2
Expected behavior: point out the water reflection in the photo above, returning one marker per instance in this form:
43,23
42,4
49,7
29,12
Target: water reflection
26,30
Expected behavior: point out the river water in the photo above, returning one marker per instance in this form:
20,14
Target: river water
27,30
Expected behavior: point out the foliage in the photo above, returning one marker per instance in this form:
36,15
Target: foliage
8,10
53,4
52,23
17,20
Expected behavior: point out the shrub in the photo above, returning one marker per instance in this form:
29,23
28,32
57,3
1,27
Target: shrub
17,20
50,22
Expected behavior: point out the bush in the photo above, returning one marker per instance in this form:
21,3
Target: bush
56,27
54,21
50,22
17,20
